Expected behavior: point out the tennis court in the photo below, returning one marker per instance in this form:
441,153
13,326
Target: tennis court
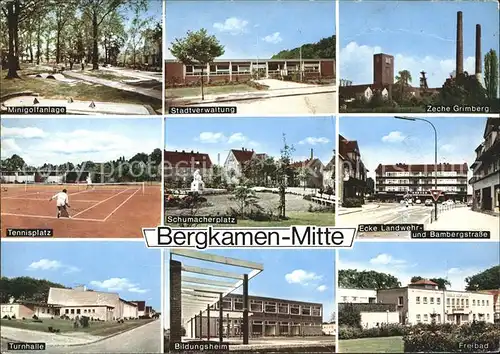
105,210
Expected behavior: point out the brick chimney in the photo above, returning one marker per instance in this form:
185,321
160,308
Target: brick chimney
460,45
312,154
479,62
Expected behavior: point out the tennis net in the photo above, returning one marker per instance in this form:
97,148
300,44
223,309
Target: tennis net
113,188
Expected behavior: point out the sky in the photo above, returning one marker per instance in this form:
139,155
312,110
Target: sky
252,29
301,275
387,141
127,268
425,259
421,35
153,12
265,135
75,140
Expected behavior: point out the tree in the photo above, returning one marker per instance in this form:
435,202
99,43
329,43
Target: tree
97,11
370,185
324,49
441,282
114,37
197,48
26,289
63,12
245,198
304,175
403,80
136,32
349,316
491,74
352,278
486,280
282,172
14,163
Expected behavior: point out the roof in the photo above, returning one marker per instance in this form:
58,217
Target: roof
304,163
133,303
492,124
424,282
402,167
243,155
352,90
191,158
347,146
260,60
72,297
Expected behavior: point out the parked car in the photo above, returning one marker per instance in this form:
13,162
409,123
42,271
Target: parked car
428,202
449,202
418,201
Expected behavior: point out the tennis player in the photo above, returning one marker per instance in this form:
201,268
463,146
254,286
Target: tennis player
89,182
62,202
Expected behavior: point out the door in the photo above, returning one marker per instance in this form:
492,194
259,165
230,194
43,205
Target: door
457,319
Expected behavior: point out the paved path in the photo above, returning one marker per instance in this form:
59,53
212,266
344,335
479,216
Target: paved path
117,85
464,219
306,104
24,335
275,84
144,339
145,75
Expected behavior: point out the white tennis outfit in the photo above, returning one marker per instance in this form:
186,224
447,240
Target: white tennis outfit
89,181
61,199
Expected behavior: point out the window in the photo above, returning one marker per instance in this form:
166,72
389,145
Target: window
226,304
354,299
78,311
453,302
467,302
487,316
316,311
85,311
426,318
72,311
473,302
432,300
270,307
425,299
283,308
487,303
238,304
448,301
482,303
400,301
438,301
43,310
306,310
93,310
256,306
417,299
295,309
418,318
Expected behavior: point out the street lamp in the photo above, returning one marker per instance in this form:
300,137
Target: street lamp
435,155
300,57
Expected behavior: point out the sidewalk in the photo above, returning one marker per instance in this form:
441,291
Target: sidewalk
50,339
242,96
464,219
117,85
366,207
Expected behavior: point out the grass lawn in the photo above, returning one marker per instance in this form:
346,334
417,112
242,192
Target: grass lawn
102,74
80,91
209,90
95,328
372,345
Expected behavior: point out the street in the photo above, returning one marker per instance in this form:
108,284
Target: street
144,339
320,103
450,218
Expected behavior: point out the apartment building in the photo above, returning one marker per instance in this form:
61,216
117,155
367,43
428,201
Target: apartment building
395,182
179,166
308,173
246,69
486,170
236,161
352,170
267,317
496,302
357,296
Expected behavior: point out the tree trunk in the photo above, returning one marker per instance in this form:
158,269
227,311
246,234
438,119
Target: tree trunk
16,35
47,49
95,47
32,59
11,61
202,79
58,45
38,46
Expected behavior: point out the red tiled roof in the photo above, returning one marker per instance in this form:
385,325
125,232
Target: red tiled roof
300,164
347,146
402,167
243,155
424,282
187,158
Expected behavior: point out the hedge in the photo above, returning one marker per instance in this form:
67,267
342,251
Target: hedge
386,330
475,337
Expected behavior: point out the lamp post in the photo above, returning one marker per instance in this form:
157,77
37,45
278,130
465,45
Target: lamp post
300,57
435,155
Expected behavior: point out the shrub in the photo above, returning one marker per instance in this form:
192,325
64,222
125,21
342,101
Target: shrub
352,202
350,316
329,190
35,317
348,332
84,321
13,317
5,317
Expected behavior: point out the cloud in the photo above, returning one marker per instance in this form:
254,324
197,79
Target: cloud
118,284
22,133
232,25
314,141
356,65
47,264
385,259
302,277
322,288
9,147
394,137
237,138
211,138
389,264
273,38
